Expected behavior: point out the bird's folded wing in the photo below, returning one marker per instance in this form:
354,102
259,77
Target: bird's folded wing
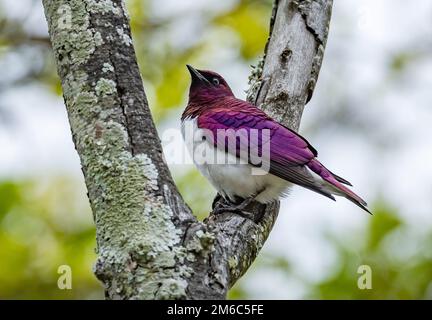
254,131
281,150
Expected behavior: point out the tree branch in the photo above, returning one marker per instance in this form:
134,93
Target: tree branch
281,84
149,244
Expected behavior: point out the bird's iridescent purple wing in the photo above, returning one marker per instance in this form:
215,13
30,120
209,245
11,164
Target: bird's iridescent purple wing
288,151
286,146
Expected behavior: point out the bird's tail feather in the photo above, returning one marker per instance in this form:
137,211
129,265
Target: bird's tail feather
336,184
340,179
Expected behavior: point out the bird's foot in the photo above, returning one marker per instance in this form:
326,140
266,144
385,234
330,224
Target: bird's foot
221,207
217,201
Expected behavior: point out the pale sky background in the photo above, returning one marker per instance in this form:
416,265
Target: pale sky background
392,162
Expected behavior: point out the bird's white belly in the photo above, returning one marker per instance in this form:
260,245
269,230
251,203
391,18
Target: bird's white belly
233,179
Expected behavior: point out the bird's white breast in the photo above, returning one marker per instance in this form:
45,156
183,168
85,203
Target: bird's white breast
230,177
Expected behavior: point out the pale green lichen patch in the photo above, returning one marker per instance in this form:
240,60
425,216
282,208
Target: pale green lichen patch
201,243
233,266
171,288
257,71
124,37
105,87
190,257
74,85
261,235
232,262
206,239
80,45
98,39
103,6
255,80
72,39
106,67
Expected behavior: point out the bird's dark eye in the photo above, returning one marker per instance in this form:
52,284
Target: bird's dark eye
215,81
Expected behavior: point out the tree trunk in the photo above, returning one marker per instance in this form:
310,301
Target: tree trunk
149,244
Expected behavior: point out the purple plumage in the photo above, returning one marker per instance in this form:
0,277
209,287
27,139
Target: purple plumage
213,108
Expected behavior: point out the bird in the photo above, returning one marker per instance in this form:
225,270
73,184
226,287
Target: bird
212,108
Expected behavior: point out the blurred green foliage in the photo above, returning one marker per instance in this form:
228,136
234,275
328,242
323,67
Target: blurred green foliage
250,24
44,225
398,255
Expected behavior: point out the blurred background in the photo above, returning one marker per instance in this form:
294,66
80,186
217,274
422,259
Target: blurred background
370,119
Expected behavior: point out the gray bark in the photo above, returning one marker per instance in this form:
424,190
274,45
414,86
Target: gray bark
149,244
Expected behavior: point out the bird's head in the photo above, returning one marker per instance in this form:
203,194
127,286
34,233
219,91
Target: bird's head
207,85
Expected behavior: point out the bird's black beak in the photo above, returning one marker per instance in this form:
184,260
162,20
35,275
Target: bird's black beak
196,75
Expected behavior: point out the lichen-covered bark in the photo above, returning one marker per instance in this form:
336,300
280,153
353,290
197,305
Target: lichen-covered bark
139,215
149,244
